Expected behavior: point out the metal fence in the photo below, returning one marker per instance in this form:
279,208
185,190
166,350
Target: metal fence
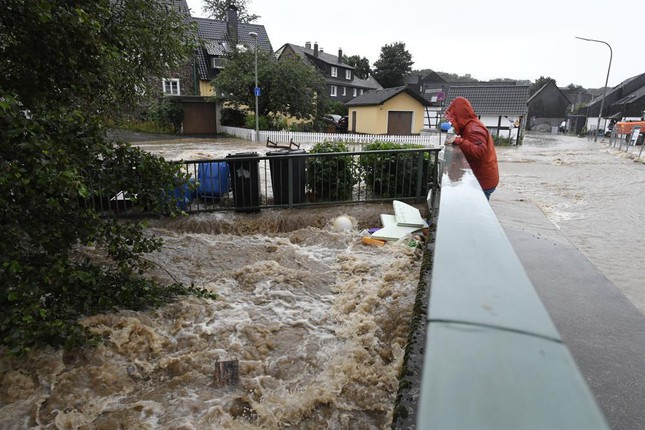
249,182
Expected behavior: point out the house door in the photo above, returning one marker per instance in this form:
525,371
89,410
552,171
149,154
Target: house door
353,121
399,122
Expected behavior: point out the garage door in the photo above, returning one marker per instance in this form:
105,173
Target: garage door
399,122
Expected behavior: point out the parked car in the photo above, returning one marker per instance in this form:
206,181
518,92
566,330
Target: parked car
341,127
331,119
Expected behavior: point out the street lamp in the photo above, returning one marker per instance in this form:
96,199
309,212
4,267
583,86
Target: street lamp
604,92
256,90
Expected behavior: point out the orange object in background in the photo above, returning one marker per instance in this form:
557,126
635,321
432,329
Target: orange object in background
626,127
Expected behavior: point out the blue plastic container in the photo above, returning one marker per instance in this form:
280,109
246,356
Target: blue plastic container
184,195
213,179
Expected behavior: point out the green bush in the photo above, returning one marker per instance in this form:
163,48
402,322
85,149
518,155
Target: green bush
502,141
168,112
233,117
263,123
331,178
302,126
393,175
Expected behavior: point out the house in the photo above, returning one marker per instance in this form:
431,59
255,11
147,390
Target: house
547,107
434,88
216,39
502,108
397,111
220,38
626,101
428,85
191,84
342,83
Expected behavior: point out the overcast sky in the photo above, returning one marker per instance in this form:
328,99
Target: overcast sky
487,38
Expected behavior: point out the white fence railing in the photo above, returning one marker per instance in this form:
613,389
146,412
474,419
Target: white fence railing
286,137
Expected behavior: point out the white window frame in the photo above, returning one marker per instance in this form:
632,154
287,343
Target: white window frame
218,62
334,71
333,90
344,91
355,92
348,74
171,87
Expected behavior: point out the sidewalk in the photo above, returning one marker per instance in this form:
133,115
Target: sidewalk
603,330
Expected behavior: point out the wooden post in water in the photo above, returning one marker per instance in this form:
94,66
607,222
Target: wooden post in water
226,373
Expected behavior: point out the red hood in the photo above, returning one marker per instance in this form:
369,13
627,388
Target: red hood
460,113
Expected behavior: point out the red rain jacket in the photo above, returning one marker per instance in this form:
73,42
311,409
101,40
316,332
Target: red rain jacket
475,141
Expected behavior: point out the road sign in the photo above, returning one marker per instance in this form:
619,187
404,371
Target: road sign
257,91
441,96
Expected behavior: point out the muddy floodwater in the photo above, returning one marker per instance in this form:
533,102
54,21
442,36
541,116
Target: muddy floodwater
594,193
308,330
310,324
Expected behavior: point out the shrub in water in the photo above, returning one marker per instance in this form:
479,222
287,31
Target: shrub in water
395,174
331,178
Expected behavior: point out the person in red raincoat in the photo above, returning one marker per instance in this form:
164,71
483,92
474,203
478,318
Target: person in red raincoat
475,142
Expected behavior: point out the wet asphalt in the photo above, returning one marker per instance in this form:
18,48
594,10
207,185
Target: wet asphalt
601,327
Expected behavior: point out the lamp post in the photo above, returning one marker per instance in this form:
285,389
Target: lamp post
256,90
604,91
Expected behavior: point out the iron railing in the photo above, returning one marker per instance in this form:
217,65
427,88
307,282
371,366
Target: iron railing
249,182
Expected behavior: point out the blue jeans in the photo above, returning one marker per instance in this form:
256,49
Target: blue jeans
488,192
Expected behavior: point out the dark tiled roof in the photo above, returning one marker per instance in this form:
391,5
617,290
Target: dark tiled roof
214,35
378,97
323,56
493,100
537,93
631,97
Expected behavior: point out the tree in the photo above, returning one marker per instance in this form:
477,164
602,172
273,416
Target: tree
361,65
573,86
65,65
288,87
542,81
218,9
393,65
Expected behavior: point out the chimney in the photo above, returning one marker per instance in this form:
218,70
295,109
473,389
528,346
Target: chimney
321,50
307,45
231,24
315,49
340,54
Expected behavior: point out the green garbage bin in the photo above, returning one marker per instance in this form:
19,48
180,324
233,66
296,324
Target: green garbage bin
287,172
245,181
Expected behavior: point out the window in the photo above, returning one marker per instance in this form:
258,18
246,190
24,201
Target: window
344,91
355,92
333,91
348,75
334,71
171,87
218,63
362,91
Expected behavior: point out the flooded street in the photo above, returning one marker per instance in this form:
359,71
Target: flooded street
310,324
593,193
308,330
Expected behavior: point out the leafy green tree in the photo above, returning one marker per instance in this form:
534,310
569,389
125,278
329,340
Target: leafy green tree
393,66
539,83
219,8
361,65
65,65
288,87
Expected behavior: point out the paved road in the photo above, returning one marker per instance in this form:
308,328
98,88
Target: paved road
602,329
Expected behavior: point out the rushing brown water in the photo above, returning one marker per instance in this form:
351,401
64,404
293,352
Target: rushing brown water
308,332
593,193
